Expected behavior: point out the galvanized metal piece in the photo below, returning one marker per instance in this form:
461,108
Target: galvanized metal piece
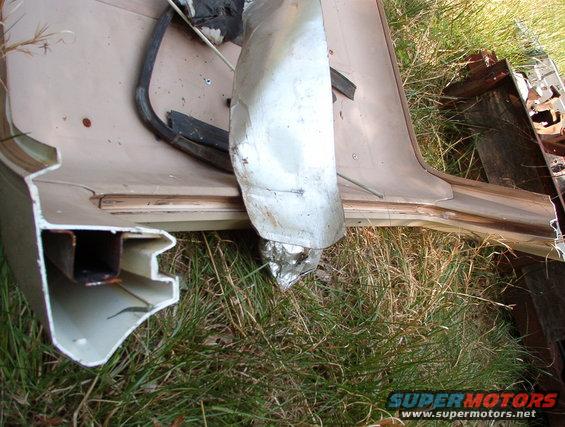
289,263
281,131
544,75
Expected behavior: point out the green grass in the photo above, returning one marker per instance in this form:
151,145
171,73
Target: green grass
396,309
389,309
433,38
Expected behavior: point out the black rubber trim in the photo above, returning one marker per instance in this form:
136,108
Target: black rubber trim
342,84
198,131
206,147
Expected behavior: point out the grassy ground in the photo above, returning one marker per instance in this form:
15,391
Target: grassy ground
389,309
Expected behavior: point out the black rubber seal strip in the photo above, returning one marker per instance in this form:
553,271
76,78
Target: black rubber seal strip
206,147
342,84
198,131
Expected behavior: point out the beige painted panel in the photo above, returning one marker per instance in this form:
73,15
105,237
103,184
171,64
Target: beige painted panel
92,73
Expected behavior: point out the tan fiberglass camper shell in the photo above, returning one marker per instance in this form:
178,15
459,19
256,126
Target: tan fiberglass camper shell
84,182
